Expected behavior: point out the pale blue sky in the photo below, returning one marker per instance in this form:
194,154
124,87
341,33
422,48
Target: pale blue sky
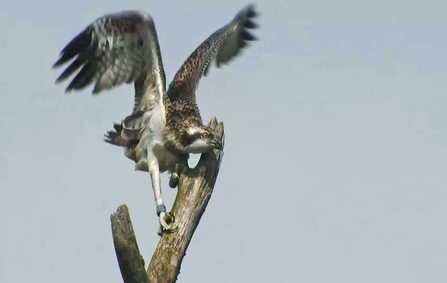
335,159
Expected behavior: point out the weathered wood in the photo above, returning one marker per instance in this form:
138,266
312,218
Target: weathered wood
195,189
129,258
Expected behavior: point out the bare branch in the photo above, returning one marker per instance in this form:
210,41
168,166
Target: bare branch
129,258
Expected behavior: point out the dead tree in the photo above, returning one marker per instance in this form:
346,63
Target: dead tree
194,191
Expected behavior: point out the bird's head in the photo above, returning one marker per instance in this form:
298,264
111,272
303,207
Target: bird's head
200,139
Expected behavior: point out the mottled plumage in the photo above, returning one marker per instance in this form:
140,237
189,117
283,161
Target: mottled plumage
165,126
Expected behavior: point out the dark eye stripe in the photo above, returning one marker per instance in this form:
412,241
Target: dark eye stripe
187,139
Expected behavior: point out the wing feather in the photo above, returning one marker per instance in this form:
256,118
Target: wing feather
222,46
116,49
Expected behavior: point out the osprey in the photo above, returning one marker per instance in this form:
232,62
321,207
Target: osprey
165,126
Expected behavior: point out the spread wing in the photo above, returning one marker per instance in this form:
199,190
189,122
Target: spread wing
115,49
223,45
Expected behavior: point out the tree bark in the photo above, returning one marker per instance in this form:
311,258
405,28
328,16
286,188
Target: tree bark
194,191
130,261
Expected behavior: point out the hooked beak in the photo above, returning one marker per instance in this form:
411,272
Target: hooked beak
218,144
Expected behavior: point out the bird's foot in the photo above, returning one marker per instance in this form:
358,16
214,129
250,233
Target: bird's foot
173,181
167,223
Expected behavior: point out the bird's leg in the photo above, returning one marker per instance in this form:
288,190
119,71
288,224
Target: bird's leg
175,176
166,219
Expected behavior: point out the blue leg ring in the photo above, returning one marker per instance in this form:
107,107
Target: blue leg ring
161,208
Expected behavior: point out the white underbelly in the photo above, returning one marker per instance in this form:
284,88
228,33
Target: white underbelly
151,142
166,159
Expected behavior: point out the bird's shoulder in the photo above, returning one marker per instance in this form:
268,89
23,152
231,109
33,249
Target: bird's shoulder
182,113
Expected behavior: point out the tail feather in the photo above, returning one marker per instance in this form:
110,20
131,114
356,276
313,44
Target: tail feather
118,128
115,138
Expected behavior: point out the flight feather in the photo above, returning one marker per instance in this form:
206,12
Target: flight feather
222,46
115,49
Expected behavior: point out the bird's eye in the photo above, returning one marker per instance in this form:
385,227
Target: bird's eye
205,135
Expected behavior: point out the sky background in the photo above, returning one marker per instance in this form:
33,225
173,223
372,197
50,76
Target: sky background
335,156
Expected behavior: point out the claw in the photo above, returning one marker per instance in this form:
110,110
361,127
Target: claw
167,224
173,181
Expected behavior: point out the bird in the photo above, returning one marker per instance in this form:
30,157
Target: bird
165,125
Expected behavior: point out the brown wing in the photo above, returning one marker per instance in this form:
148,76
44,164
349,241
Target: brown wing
115,49
223,45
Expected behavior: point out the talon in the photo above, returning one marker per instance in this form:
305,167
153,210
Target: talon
167,224
173,182
159,231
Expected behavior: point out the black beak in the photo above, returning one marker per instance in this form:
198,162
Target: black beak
218,145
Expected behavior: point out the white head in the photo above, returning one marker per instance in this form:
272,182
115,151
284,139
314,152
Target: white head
200,139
